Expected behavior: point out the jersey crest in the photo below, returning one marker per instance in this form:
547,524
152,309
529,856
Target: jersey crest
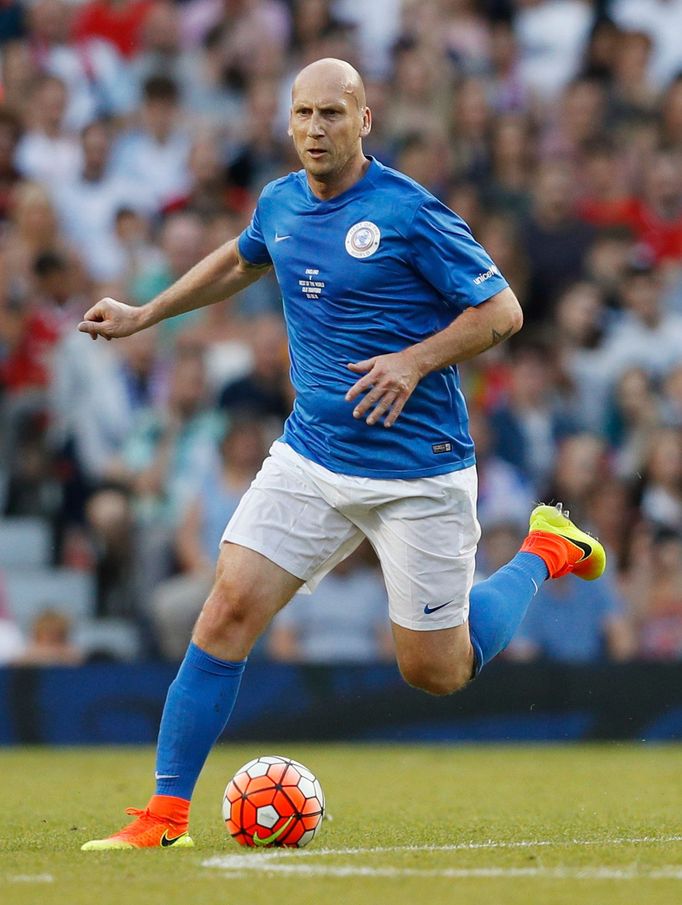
362,239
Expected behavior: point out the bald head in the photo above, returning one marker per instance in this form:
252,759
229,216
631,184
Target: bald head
333,76
328,120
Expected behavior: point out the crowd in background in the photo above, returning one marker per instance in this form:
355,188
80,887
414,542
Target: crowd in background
135,136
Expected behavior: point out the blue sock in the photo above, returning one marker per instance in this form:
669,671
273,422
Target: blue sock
498,605
198,706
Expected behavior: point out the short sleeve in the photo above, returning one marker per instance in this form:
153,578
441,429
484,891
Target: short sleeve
447,256
251,242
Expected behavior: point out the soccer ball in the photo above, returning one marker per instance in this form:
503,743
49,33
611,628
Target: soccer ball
273,801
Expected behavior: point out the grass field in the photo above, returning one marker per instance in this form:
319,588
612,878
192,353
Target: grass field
441,824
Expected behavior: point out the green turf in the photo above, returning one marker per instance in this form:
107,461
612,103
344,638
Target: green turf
386,797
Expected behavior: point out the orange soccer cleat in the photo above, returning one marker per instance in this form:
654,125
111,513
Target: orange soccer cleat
162,824
562,545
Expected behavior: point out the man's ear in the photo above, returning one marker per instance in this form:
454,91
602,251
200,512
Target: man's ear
366,127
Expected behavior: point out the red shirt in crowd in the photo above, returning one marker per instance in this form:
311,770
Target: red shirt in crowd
116,21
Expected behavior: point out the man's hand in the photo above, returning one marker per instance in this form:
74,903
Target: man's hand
389,382
111,319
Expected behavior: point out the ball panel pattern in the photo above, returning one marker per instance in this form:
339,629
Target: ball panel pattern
273,800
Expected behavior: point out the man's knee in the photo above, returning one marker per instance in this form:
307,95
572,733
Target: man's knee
437,681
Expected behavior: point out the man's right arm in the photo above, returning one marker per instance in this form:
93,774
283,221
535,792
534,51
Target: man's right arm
218,276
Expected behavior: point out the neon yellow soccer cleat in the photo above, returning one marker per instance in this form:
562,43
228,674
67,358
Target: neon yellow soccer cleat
562,545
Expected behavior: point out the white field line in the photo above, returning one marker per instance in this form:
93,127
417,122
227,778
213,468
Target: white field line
278,854
30,878
271,862
545,873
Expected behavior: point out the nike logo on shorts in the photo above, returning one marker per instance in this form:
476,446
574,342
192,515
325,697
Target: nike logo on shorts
281,238
432,609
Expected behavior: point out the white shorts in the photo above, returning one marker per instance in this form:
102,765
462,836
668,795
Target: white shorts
307,519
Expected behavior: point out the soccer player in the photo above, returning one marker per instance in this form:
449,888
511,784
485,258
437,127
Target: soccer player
385,291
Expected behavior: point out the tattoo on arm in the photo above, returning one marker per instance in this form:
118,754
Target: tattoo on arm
498,337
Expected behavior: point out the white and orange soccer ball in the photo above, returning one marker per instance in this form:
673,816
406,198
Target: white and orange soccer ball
273,800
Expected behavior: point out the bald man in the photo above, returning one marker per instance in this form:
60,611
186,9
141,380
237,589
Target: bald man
385,291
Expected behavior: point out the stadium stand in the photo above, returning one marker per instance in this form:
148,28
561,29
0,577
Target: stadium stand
130,145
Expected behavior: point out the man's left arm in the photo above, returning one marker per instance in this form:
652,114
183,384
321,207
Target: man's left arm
389,380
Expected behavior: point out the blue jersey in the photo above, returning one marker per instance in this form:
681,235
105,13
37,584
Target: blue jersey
378,268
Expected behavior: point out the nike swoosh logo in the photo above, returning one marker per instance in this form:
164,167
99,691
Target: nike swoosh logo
586,548
281,238
432,609
267,840
165,841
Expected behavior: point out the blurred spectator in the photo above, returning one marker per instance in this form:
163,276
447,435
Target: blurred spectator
579,326
658,218
112,384
579,470
210,193
504,496
507,187
48,152
113,550
579,120
87,205
40,323
419,96
607,261
155,154
181,246
555,241
551,35
258,156
344,620
259,31
94,73
169,447
647,336
661,20
378,26
424,158
49,642
265,390
600,49
508,93
633,94
660,610
33,231
17,74
160,51
176,602
662,490
611,513
528,425
606,199
632,414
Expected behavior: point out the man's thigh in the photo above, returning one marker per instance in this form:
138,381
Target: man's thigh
247,592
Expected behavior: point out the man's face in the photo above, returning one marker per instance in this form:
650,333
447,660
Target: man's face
327,126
